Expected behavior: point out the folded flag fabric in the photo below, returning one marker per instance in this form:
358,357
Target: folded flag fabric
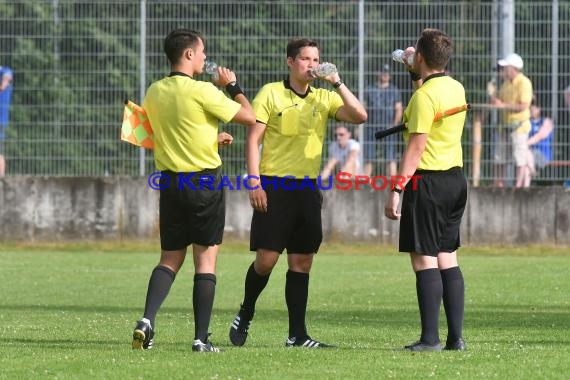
136,127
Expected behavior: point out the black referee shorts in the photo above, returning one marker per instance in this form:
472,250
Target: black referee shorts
192,210
431,214
293,218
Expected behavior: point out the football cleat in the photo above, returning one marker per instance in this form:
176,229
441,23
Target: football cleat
421,346
458,345
307,342
143,336
199,346
239,329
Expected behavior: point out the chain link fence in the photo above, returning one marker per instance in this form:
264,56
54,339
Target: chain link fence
75,62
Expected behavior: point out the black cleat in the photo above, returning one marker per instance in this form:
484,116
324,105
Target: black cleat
458,345
143,336
307,342
421,346
199,346
239,329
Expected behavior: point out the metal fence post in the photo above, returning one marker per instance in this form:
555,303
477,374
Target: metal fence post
142,75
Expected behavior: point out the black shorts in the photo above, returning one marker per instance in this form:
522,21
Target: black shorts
292,220
431,214
192,210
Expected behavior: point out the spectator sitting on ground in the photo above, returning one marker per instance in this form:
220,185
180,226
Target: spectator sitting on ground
540,138
344,152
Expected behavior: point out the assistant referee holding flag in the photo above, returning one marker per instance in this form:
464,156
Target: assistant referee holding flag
184,114
431,213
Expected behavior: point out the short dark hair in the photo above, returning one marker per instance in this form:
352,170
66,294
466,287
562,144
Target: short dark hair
345,126
179,40
295,45
436,48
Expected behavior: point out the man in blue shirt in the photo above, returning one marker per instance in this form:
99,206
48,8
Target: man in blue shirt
384,106
5,99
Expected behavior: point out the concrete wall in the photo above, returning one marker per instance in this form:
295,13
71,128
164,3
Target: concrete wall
51,209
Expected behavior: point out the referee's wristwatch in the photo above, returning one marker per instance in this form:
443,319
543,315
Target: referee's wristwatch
397,190
338,83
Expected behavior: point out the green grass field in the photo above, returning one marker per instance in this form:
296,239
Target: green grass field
67,311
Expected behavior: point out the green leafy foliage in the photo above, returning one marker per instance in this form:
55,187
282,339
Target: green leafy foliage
75,62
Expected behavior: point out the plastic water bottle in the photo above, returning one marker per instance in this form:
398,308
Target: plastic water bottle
324,69
398,56
211,67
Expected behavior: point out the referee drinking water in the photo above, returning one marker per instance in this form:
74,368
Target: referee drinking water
184,114
292,118
431,212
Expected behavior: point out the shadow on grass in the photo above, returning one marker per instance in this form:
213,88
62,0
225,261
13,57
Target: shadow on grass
62,343
488,316
182,346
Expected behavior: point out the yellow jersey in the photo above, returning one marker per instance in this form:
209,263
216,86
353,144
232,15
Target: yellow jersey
295,128
516,92
184,114
437,94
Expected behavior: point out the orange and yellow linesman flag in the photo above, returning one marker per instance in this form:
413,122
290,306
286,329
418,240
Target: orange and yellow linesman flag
136,127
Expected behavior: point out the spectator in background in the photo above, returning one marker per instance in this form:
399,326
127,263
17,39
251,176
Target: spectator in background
514,99
5,99
540,138
384,106
344,153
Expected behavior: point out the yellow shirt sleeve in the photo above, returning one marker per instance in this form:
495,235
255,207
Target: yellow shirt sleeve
421,119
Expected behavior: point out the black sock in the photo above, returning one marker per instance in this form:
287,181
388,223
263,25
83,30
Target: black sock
203,302
254,285
429,290
296,297
453,302
159,285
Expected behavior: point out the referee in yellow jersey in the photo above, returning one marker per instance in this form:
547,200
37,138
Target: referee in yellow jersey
432,211
184,114
291,123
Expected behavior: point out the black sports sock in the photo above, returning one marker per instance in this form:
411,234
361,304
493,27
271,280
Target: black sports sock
254,285
453,302
296,297
159,285
429,290
203,302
